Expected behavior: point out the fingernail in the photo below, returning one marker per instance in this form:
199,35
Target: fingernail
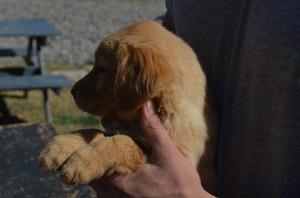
150,108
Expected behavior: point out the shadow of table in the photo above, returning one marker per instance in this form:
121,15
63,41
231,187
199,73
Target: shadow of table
19,172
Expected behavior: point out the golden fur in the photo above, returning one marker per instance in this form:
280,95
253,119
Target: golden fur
140,62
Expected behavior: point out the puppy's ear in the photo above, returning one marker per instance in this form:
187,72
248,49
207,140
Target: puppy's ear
141,75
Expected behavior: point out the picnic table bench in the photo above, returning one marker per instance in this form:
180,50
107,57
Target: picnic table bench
32,75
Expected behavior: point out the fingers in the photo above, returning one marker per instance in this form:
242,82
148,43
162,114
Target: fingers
155,132
151,124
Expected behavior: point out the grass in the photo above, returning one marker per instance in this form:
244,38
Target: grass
60,66
66,115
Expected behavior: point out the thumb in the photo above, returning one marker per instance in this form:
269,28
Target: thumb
153,128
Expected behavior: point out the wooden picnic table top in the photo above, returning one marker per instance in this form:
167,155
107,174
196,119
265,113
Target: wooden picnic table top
27,28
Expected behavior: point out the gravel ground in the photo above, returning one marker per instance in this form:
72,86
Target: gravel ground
83,23
19,172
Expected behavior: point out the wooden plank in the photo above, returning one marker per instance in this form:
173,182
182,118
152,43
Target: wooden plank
27,27
9,83
4,52
19,71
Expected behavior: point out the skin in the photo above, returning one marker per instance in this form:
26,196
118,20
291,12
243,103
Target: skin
167,174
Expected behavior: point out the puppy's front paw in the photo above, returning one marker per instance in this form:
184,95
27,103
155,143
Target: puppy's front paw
81,167
117,154
58,150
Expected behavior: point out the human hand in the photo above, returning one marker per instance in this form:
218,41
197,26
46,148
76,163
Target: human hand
168,173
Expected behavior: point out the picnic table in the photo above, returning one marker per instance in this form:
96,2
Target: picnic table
32,74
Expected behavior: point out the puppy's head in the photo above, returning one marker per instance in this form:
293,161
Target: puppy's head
129,69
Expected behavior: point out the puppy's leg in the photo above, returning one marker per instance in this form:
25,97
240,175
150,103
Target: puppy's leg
116,154
62,146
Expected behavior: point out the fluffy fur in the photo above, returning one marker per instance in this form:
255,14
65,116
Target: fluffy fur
140,62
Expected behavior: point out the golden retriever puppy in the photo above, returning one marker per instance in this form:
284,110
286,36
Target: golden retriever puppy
139,62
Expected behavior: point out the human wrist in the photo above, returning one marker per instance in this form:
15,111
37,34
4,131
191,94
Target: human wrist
204,194
199,192
195,191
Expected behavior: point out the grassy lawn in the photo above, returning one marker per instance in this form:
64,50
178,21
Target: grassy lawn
66,115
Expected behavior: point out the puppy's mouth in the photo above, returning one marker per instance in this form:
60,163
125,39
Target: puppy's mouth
109,124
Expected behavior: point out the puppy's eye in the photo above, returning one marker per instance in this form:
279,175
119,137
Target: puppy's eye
100,69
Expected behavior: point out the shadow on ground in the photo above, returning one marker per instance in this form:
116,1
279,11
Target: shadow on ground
5,116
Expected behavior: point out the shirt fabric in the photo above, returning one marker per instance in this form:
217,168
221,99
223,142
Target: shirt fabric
250,53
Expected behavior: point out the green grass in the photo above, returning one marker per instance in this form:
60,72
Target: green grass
67,120
66,116
61,66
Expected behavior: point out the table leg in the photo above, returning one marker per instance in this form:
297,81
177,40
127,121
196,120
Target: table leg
47,106
40,63
28,56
